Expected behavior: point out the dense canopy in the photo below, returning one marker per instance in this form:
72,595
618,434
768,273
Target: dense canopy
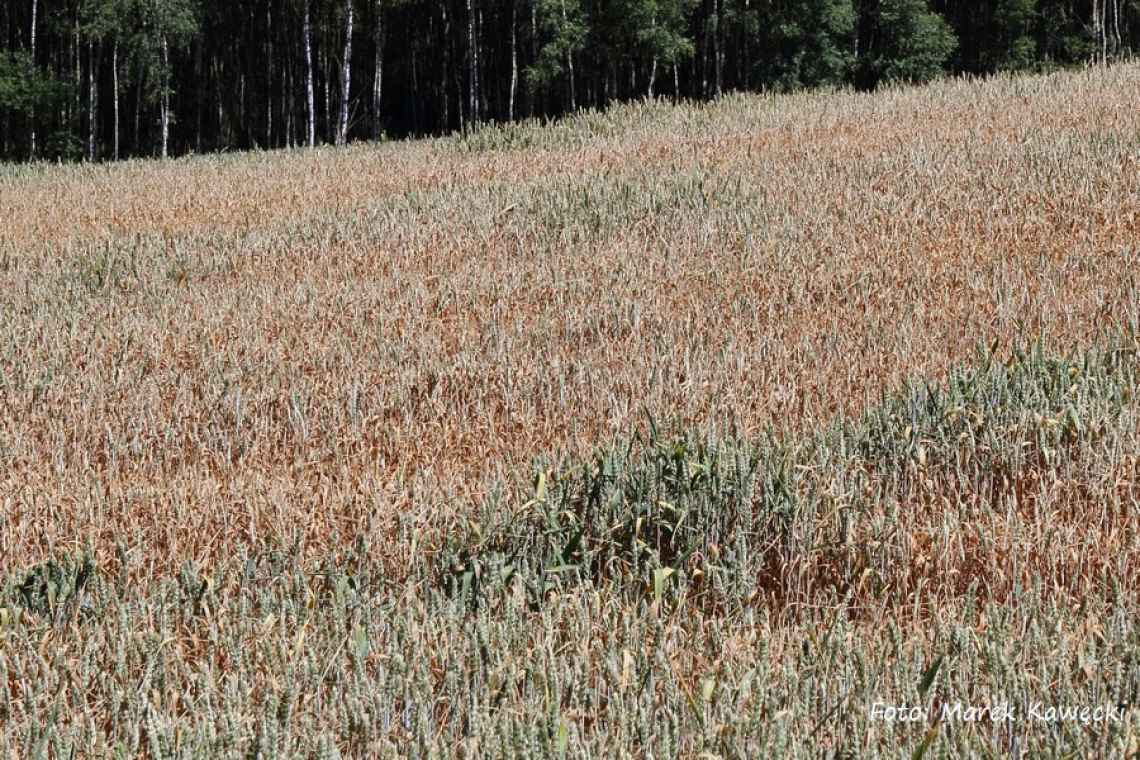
101,79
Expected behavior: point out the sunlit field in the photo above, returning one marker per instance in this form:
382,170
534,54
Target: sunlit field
675,430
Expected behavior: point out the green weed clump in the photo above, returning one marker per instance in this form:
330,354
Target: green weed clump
54,588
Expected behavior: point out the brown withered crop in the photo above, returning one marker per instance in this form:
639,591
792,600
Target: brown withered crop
297,354
206,350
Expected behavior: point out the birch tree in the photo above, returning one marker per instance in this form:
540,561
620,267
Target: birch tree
660,29
162,25
310,96
32,108
564,22
160,77
472,63
379,32
345,76
514,60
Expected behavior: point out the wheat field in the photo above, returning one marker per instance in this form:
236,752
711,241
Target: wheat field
674,430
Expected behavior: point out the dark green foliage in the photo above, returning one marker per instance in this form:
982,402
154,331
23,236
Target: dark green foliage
26,91
658,30
1006,35
1012,46
57,589
635,515
20,84
222,76
564,25
146,25
811,43
906,42
1064,31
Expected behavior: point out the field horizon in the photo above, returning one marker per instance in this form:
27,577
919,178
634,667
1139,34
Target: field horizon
706,428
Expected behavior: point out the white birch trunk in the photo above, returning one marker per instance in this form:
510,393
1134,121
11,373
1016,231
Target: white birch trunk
514,60
378,69
115,94
569,64
165,106
32,110
345,77
310,98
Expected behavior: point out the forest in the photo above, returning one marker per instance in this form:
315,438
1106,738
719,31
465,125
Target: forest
109,79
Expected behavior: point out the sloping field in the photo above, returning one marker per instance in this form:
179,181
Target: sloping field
670,430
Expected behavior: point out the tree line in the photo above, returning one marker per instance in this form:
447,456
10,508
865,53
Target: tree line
109,79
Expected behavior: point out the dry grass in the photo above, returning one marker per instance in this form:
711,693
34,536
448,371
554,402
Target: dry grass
290,352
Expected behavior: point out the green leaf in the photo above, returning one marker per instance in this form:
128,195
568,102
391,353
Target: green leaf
360,641
660,575
563,740
540,489
928,676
